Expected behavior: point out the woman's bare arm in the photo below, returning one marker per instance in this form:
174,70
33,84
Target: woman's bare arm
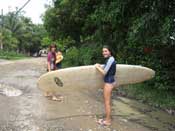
100,69
48,66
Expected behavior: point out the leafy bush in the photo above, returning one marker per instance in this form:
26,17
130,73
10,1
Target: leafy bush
150,95
71,57
86,55
11,55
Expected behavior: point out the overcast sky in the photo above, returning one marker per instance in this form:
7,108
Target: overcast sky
34,9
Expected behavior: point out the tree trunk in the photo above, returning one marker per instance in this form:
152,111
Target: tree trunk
1,45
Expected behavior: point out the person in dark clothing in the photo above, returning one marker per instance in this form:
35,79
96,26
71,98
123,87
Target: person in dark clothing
108,71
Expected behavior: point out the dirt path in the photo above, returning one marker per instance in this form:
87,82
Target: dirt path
78,111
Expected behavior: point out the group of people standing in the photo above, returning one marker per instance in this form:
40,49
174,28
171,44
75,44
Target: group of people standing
108,71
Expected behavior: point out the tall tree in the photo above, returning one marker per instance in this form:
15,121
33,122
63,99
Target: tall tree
20,34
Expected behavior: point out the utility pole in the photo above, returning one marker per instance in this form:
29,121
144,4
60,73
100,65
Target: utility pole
19,11
22,7
1,17
2,24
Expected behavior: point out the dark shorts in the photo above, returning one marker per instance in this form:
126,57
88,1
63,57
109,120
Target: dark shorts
109,79
58,65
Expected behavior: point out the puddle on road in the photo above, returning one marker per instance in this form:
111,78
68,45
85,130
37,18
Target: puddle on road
9,90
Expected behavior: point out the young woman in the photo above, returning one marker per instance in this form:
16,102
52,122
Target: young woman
51,66
108,71
51,58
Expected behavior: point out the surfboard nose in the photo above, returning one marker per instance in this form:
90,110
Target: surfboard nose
151,73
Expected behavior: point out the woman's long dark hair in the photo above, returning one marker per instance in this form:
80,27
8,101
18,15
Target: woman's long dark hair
52,46
110,49
53,53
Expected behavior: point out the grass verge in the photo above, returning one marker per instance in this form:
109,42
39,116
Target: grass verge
9,55
155,97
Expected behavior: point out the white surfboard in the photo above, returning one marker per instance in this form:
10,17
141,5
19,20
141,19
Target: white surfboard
88,77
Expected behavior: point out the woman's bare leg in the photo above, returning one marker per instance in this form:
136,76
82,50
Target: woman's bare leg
46,94
107,99
55,97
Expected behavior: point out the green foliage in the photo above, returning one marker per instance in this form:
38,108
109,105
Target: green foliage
158,98
62,44
71,57
11,55
86,55
18,33
46,41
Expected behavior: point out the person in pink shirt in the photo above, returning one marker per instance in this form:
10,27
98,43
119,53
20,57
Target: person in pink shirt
51,66
51,58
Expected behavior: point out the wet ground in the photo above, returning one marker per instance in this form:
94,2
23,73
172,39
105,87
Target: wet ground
23,107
